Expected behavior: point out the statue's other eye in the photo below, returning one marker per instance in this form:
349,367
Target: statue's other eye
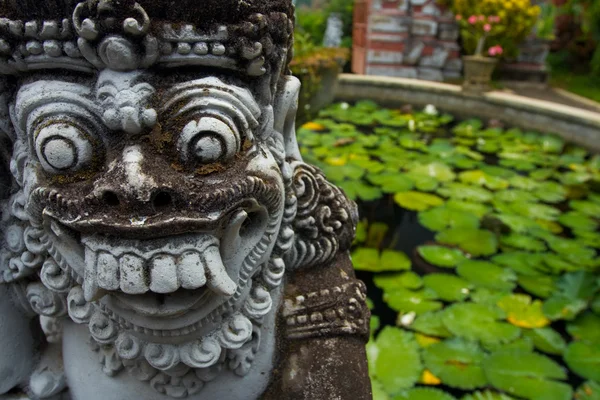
209,139
62,147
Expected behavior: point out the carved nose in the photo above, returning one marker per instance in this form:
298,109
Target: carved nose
130,188
160,200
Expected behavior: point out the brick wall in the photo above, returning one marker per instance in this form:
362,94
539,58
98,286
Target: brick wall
406,38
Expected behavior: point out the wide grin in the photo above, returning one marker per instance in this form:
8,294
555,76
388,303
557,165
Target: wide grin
171,276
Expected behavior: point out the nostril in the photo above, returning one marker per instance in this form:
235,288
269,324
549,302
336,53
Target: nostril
162,200
110,198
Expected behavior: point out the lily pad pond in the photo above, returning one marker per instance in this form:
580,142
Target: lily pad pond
478,244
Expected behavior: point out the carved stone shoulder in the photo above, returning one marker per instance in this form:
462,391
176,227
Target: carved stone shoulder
325,221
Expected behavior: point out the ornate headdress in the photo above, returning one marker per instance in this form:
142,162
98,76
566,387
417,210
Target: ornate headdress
252,37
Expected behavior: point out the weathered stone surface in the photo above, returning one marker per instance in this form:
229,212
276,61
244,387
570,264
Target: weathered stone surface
157,208
385,57
424,27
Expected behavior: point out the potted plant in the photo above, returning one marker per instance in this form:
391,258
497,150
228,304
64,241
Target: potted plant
318,69
511,22
479,67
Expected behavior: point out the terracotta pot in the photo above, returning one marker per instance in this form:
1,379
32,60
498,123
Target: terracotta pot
478,73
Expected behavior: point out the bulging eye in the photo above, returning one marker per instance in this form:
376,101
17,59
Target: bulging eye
208,140
62,147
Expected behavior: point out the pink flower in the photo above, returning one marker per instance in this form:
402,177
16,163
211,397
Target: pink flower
472,19
487,27
495,50
459,17
494,19
482,18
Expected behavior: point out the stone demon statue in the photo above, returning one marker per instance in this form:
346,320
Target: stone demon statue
160,235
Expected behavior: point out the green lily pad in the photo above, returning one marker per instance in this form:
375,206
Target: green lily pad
376,234
536,211
359,190
588,208
589,390
477,242
417,301
585,328
392,260
437,170
546,340
488,275
480,178
430,323
441,218
574,178
460,191
391,182
457,363
518,223
533,377
542,286
366,259
523,242
521,311
417,201
578,221
523,263
391,282
447,287
550,192
479,322
424,393
542,174
584,359
398,363
441,256
487,395
516,195
562,307
474,208
523,182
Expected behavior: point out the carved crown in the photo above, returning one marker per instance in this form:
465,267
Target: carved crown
252,37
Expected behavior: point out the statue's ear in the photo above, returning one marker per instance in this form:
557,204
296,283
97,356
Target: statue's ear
286,106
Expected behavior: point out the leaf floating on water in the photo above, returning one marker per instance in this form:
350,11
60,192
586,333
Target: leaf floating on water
398,365
447,287
585,328
584,359
457,363
441,218
424,394
521,311
441,256
487,395
533,377
488,275
476,242
417,201
479,322
546,340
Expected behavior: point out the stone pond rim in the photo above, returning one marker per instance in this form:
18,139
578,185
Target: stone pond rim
573,124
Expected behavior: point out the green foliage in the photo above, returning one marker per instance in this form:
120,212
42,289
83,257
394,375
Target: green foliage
510,271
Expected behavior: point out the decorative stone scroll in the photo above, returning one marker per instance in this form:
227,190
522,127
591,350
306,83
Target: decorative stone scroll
157,217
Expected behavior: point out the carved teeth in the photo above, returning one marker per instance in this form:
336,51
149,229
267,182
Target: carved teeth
163,274
137,267
108,271
190,271
133,275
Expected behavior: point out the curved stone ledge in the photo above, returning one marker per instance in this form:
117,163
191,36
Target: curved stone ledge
576,125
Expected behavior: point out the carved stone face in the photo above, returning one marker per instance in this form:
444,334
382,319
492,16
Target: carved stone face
163,208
